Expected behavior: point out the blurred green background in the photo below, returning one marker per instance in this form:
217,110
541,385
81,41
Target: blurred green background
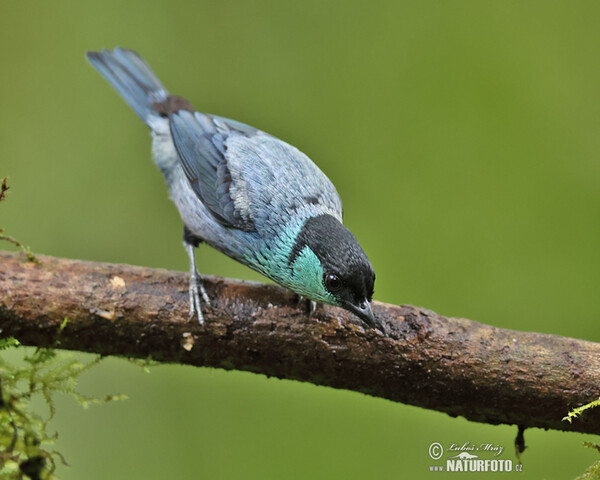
462,137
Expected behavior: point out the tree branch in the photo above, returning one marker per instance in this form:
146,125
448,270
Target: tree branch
453,365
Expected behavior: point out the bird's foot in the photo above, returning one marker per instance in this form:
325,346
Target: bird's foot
311,305
197,289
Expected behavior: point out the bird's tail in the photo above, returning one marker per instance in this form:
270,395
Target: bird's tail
133,78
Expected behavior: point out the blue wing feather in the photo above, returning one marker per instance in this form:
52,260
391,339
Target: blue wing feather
245,176
202,151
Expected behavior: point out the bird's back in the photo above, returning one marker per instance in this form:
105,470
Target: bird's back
249,180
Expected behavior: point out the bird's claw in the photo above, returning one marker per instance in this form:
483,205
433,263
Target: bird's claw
312,307
197,289
311,304
196,286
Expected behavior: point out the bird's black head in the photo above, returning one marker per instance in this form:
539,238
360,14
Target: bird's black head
347,273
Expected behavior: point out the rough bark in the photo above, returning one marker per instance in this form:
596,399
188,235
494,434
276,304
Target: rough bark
453,365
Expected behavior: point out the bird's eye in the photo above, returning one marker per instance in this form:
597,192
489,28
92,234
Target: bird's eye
332,282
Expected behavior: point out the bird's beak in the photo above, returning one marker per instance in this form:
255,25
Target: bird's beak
364,311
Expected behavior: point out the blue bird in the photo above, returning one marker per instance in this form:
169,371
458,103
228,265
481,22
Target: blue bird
246,193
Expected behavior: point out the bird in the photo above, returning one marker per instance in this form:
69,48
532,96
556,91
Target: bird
246,193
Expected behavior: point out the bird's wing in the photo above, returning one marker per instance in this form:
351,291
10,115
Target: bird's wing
245,176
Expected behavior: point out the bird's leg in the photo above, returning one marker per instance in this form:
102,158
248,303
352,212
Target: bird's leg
196,287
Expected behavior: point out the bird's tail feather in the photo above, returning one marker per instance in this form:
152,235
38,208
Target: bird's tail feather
133,78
